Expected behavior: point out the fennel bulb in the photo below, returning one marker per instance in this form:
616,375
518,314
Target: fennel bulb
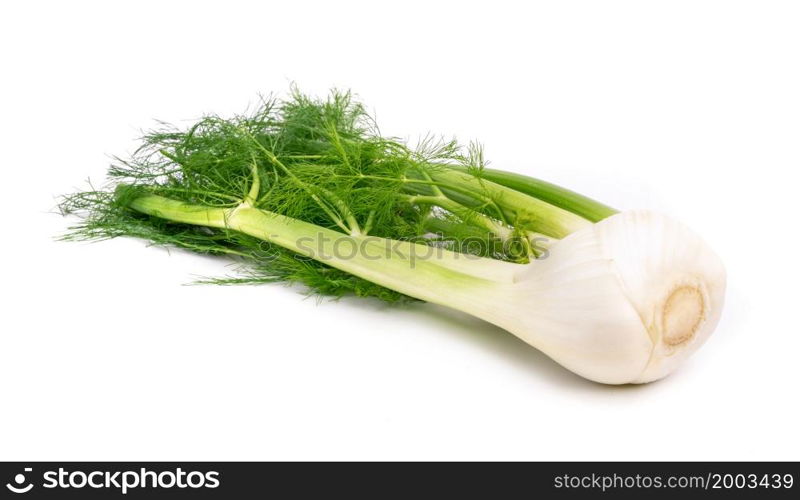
626,300
308,191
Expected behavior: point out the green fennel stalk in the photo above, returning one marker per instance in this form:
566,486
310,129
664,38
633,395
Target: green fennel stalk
322,162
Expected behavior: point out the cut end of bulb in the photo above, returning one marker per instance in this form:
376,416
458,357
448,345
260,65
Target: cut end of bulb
683,313
684,319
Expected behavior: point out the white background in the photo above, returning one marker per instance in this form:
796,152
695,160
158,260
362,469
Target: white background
689,107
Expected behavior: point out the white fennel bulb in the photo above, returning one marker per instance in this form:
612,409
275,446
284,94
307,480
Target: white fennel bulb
625,300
